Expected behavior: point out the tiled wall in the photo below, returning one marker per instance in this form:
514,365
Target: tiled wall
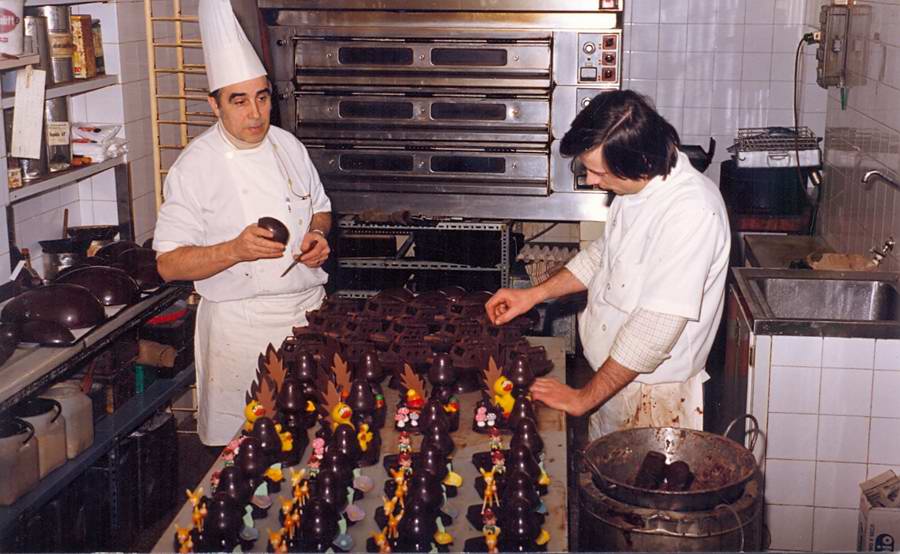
865,136
832,419
715,65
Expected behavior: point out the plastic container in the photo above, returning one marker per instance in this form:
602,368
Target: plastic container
19,464
45,415
78,411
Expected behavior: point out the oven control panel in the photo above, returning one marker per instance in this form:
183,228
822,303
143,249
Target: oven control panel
599,58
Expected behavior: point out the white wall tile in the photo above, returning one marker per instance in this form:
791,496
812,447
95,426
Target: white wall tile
782,67
726,94
848,352
794,389
843,439
887,354
846,392
5,270
790,482
792,436
645,11
756,66
700,66
723,121
884,446
727,66
695,120
701,11
730,11
837,484
643,36
673,11
671,65
759,402
673,37
791,527
646,87
786,37
701,38
798,351
886,394
834,530
103,186
728,37
760,11
105,212
789,11
758,38
643,65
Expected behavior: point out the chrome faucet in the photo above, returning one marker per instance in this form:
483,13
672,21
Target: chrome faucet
875,174
879,254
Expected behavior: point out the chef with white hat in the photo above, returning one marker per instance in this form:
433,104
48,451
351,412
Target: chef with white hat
239,170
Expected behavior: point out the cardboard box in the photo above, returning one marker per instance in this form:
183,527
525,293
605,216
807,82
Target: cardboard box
879,527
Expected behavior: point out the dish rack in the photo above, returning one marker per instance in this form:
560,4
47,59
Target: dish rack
776,147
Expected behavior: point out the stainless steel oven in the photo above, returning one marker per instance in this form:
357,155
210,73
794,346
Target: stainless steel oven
445,107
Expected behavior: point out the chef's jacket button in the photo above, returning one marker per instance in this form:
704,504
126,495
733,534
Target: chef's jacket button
246,275
608,286
603,327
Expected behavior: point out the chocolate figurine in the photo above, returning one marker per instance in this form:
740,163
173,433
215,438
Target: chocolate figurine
497,402
443,376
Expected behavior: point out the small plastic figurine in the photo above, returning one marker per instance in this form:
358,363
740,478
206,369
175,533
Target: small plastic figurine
490,531
490,490
185,542
277,542
393,522
399,475
382,542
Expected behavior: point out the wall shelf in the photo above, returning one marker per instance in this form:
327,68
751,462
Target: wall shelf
79,86
107,432
29,3
62,178
31,369
22,61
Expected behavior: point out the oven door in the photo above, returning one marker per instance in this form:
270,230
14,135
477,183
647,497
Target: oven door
512,170
412,116
419,62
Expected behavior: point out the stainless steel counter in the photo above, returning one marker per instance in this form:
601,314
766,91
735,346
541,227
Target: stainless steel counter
552,426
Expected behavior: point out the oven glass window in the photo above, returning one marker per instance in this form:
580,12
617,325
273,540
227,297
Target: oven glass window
493,57
368,162
376,110
470,112
466,164
357,55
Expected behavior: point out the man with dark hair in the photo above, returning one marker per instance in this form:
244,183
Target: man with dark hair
655,281
225,180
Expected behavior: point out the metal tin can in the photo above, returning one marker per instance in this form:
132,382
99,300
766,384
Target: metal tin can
98,46
59,34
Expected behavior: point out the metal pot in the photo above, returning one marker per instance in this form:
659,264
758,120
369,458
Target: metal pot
721,466
60,254
18,459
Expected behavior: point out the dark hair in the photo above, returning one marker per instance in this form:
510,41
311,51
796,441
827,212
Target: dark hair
217,95
637,142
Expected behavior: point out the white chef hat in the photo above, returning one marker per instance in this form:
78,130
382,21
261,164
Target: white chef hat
229,56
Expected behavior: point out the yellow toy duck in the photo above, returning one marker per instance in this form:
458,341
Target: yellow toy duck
341,414
503,395
253,411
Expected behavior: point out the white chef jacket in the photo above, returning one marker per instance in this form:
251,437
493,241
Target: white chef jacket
214,190
665,249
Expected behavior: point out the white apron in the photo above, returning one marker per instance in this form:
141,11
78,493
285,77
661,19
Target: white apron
228,340
643,405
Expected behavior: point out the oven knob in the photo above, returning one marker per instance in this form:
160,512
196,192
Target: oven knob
585,102
281,42
589,48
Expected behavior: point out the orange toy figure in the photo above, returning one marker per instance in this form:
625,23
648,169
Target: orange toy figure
490,531
490,490
185,543
393,521
253,411
364,436
199,512
399,476
381,541
300,486
276,539
291,516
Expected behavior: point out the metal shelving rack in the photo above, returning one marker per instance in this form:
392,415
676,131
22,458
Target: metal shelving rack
349,226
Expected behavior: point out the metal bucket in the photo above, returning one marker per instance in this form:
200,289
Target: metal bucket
609,525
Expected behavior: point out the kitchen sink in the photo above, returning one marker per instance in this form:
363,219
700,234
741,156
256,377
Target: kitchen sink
840,299
821,303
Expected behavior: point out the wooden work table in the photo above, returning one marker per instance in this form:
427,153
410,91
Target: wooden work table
552,426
